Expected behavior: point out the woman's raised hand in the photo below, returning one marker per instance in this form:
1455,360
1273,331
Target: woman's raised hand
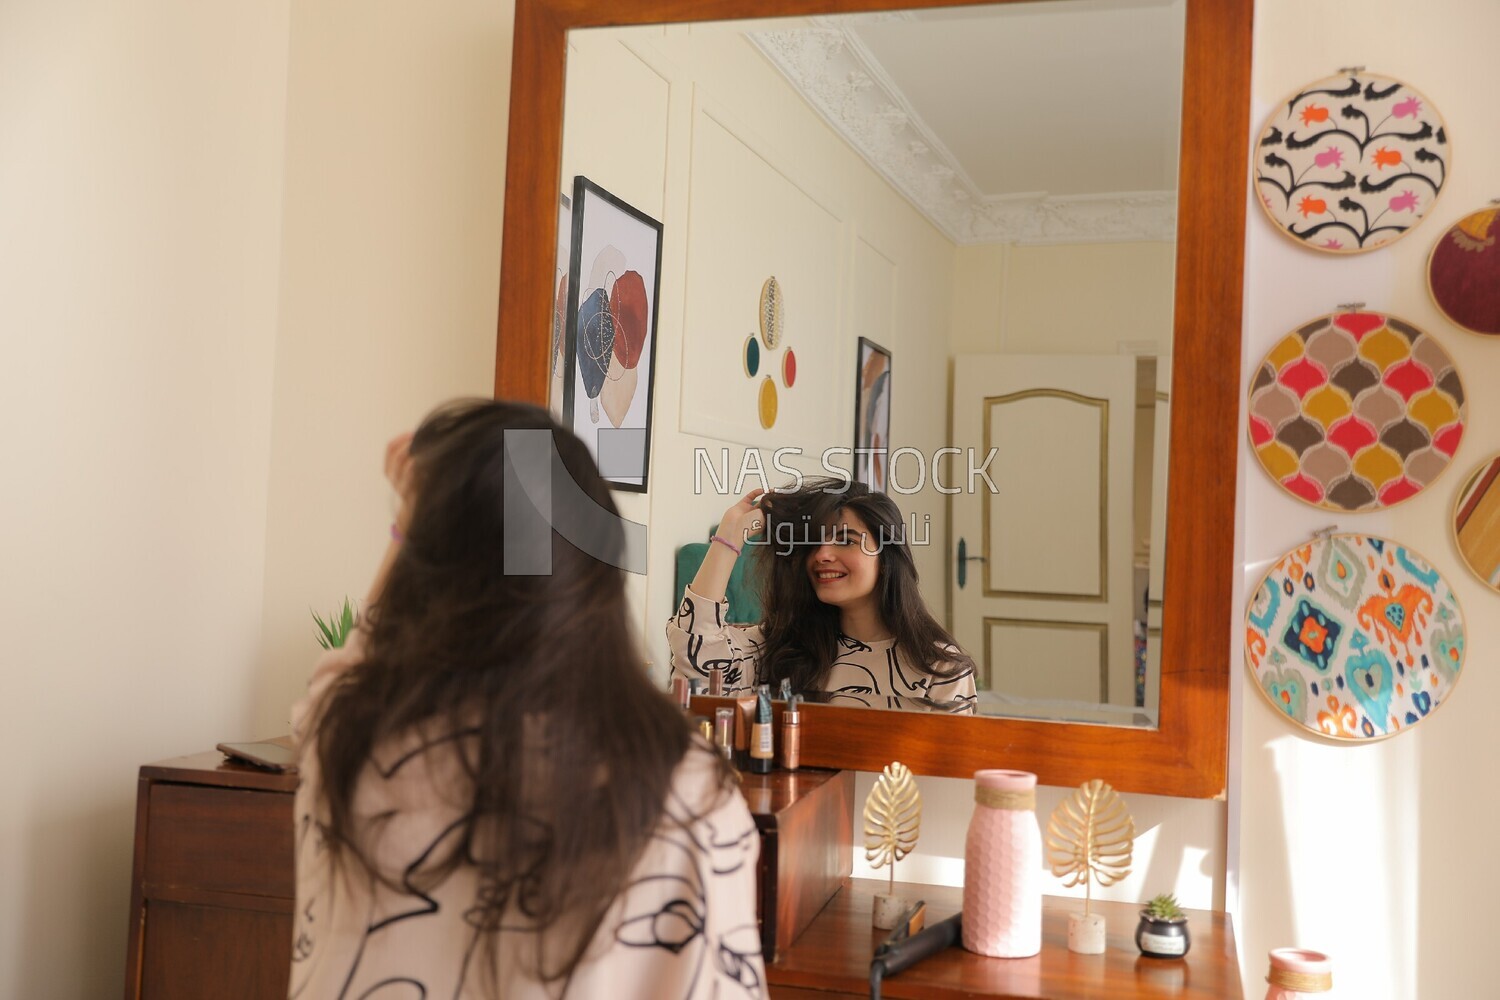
398,472
743,519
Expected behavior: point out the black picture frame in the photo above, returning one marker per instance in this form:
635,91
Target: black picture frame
600,221
871,403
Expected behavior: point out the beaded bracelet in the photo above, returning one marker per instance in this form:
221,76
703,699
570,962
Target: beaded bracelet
726,543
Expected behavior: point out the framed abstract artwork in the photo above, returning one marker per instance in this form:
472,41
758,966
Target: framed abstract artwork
559,361
1351,162
1354,637
872,416
1356,411
614,277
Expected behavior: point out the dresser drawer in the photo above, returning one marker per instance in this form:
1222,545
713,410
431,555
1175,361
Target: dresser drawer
219,840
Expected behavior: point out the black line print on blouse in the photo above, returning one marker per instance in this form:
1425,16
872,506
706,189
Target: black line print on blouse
682,923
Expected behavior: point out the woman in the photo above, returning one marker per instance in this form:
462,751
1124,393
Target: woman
496,802
843,613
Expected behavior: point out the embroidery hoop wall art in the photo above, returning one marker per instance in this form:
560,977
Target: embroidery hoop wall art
1354,637
1351,162
1463,273
1476,522
1356,411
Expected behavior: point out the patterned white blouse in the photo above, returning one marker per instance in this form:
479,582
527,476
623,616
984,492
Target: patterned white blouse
870,674
684,927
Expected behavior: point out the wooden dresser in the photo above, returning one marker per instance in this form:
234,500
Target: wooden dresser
212,895
212,889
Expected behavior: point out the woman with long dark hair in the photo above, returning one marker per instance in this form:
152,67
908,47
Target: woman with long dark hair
843,614
495,801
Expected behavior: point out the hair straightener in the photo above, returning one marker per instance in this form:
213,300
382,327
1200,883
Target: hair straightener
909,944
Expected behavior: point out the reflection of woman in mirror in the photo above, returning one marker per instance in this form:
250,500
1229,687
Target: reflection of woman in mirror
494,801
843,614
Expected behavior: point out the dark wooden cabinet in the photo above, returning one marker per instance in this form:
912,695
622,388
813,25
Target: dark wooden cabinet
212,889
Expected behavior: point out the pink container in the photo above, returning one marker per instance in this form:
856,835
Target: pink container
1003,867
1296,973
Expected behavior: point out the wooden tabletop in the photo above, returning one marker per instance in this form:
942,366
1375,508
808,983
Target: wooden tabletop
213,768
834,954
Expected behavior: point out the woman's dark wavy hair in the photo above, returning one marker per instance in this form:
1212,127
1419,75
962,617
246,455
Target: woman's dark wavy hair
567,746
801,632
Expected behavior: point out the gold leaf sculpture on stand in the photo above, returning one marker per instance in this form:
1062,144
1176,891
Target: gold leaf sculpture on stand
893,821
1090,838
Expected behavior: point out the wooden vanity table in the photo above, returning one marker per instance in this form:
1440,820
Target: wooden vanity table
832,957
212,897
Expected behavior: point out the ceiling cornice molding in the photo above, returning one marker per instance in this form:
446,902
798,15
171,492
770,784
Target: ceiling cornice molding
846,85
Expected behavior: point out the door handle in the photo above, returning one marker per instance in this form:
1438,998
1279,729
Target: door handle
963,562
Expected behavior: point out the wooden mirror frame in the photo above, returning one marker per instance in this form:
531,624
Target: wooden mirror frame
1187,754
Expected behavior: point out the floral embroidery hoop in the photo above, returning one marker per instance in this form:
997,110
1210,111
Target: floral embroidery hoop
1359,148
1356,411
1349,629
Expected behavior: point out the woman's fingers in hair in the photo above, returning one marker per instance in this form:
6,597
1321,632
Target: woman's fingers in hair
398,471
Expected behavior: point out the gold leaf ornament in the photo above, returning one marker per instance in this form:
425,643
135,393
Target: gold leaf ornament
1090,838
893,817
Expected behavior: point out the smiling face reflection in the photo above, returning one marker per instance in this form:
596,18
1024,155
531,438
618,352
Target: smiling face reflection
845,569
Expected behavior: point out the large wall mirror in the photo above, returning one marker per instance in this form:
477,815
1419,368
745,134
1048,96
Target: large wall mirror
990,193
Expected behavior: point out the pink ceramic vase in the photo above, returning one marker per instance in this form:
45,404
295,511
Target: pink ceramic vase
1297,973
1003,867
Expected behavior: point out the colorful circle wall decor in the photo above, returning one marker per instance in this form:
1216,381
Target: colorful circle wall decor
1356,411
752,356
1476,522
1351,163
767,403
1354,637
1463,274
789,369
771,317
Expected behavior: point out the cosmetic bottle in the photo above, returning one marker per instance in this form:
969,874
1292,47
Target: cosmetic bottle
762,737
681,693
716,682
705,727
724,732
744,718
791,734
786,689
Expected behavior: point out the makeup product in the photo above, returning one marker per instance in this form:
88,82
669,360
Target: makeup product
705,726
786,689
724,732
681,693
695,686
716,682
791,733
744,718
762,737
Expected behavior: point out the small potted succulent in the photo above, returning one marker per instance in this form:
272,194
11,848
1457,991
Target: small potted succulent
1163,930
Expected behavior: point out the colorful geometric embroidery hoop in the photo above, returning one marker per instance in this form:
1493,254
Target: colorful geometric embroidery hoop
750,356
766,403
1356,411
1476,522
1463,274
1354,637
1351,163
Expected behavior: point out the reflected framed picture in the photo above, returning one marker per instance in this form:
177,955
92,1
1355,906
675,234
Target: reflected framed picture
614,276
872,415
559,364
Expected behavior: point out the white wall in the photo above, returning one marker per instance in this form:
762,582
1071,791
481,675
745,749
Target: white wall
1375,854
395,175
204,359
140,193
